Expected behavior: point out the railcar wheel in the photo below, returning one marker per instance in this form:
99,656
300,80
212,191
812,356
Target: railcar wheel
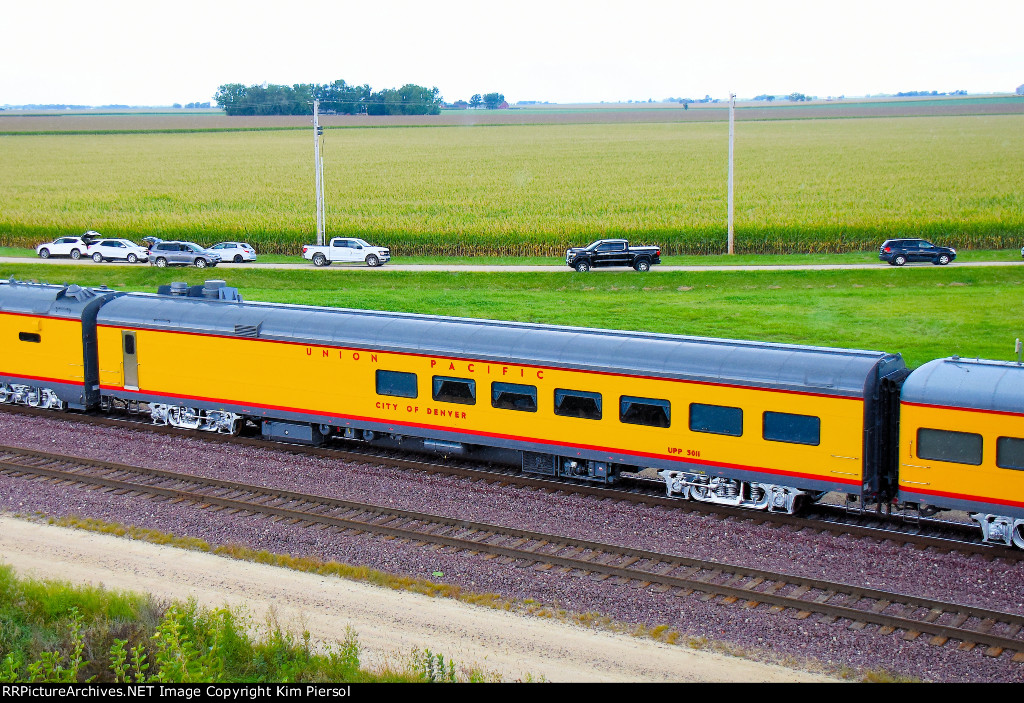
582,266
1018,535
97,257
899,260
44,253
5,393
75,254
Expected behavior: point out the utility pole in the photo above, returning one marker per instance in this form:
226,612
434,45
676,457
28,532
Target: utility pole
319,166
732,138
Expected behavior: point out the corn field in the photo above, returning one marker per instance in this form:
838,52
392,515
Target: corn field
812,185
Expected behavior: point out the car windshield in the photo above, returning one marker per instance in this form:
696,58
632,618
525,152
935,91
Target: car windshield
593,245
360,242
193,247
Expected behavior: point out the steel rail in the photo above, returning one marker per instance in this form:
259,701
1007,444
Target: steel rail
835,525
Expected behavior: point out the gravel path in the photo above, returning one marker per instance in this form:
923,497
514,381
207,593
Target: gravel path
960,578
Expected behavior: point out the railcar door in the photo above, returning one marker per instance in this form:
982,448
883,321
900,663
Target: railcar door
131,360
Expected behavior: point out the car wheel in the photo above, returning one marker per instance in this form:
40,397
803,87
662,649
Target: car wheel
582,266
44,253
642,265
899,260
132,258
237,259
942,260
97,257
319,260
372,260
75,254
161,262
200,263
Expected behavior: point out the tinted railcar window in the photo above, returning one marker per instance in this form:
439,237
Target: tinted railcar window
29,337
578,404
397,383
514,396
455,390
1010,453
716,419
795,429
946,445
645,411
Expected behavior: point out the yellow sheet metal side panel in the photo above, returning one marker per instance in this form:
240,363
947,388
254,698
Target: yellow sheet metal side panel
342,382
57,356
961,481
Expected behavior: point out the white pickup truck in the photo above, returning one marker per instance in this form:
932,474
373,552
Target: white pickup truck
346,250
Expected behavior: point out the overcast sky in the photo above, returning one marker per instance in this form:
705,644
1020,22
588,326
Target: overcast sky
158,52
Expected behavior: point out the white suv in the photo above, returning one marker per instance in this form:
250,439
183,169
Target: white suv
110,249
75,247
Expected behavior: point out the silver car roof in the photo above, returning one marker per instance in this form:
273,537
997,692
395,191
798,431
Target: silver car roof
980,384
823,370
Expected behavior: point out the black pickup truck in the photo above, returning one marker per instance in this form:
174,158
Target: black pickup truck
612,252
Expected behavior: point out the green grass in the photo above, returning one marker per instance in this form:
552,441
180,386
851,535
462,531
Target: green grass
924,312
53,631
819,185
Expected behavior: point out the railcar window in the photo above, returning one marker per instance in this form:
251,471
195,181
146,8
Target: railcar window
1010,453
29,337
397,383
578,404
514,396
716,419
795,429
129,344
455,390
645,411
946,445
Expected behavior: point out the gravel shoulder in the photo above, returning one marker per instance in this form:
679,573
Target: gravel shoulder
389,623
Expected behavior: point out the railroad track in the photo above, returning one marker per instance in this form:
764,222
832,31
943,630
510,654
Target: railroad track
674,575
923,534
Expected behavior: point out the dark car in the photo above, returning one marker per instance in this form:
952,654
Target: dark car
182,253
612,252
899,251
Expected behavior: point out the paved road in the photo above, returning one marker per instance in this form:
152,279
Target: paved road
516,269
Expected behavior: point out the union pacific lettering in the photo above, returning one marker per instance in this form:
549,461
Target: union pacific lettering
326,353
488,369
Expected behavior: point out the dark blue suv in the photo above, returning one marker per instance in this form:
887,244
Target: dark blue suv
899,251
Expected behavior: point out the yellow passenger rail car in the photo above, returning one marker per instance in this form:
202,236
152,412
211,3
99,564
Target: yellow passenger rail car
962,443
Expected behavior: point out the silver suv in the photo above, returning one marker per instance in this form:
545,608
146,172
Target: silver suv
182,254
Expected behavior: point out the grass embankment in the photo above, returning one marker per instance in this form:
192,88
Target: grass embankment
804,185
55,632
924,312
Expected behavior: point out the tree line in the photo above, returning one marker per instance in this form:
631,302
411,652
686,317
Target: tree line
337,97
